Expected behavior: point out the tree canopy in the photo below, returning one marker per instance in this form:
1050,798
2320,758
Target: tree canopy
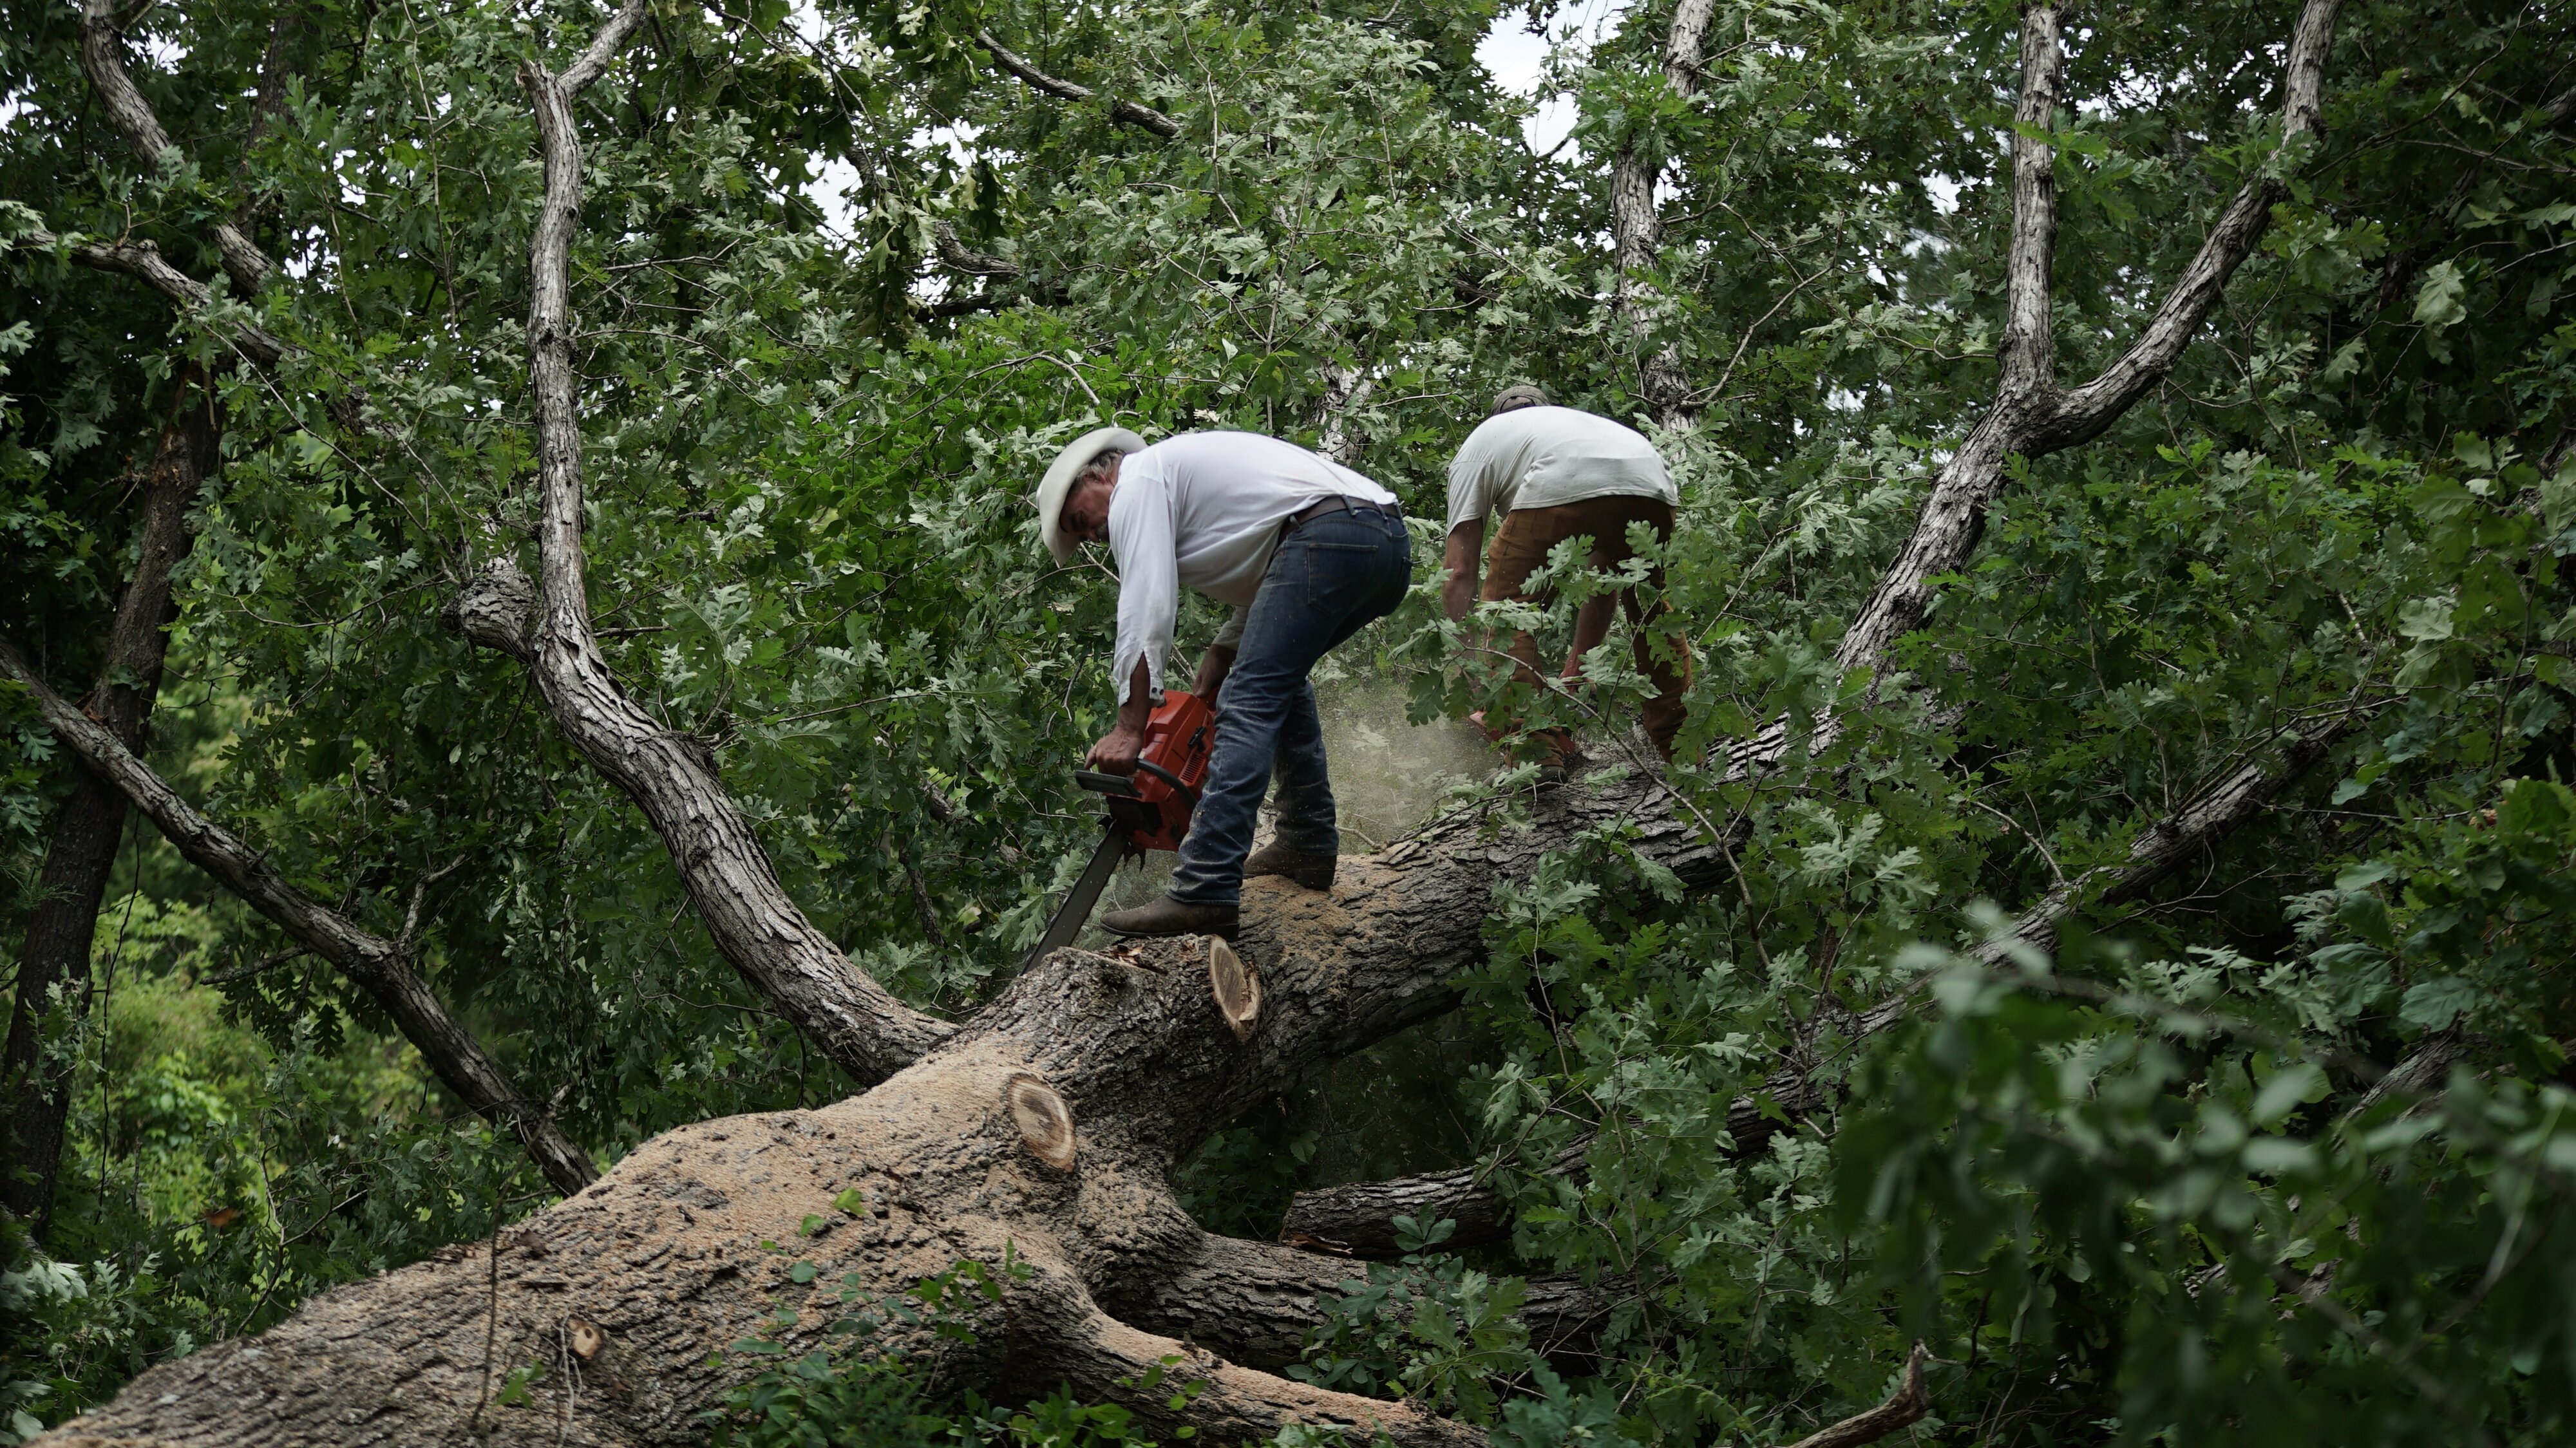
530,657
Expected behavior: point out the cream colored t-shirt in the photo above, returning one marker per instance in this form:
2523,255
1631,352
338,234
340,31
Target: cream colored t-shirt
1546,457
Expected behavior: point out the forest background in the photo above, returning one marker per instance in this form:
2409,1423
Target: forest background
2271,1140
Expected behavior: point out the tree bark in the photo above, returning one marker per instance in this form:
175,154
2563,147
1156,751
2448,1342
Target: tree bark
383,968
2031,416
665,1253
133,119
1637,228
143,261
671,776
54,966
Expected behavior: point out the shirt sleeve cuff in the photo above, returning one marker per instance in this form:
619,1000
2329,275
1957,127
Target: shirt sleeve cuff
1125,671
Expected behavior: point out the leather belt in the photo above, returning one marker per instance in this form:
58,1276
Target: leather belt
1322,507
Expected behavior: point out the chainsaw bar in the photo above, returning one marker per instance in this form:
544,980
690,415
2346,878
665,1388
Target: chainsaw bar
1075,912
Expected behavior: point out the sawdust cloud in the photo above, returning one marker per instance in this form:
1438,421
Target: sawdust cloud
1388,775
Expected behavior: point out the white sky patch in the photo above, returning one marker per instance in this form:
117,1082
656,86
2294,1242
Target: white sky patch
1944,191
1517,61
834,189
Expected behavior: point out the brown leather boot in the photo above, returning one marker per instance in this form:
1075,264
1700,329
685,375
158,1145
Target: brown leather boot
1167,916
1315,872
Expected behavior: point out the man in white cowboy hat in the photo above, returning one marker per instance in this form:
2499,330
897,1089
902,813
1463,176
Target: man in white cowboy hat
1308,552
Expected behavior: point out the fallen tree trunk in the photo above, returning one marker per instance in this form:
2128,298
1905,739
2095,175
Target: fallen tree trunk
663,1255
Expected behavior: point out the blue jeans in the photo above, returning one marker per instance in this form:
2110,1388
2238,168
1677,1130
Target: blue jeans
1329,578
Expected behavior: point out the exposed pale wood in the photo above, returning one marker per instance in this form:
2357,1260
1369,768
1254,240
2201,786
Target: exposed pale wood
1045,1122
1236,986
664,1254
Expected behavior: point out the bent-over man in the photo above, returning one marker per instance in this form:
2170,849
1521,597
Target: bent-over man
1307,552
1559,473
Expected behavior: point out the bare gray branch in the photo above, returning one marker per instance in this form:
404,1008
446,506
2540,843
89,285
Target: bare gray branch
1127,112
366,958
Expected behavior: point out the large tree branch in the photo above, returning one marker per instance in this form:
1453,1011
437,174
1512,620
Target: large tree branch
132,117
2027,352
379,966
1947,530
671,776
961,257
1346,390
2088,409
1636,228
1903,1409
2188,833
2030,417
144,262
1126,112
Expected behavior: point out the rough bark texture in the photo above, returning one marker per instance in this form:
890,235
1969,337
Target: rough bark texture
383,968
53,967
1637,231
2031,416
664,1253
961,257
1346,390
670,775
1903,1408
143,261
133,119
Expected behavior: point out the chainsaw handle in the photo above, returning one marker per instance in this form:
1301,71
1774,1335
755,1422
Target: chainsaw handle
1124,786
1167,777
1117,784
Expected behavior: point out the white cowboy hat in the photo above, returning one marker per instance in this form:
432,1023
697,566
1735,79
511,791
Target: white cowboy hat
1059,481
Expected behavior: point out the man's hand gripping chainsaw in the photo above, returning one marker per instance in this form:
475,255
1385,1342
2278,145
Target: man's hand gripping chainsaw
1148,810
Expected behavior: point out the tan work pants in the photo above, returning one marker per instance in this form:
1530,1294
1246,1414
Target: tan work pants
1522,544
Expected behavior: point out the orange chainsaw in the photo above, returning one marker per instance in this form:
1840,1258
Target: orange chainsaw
1148,810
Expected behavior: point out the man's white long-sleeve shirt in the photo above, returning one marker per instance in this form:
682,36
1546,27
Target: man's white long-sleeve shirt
1546,457
1204,508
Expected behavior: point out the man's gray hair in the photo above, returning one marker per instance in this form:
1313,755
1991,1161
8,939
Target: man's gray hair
1102,464
1518,396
